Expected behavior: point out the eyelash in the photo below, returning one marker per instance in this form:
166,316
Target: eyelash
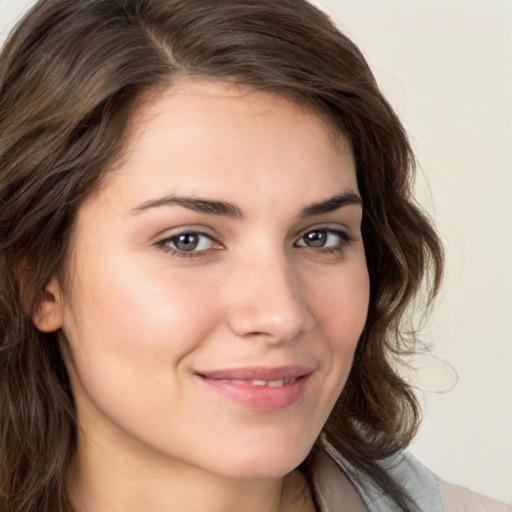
338,249
345,238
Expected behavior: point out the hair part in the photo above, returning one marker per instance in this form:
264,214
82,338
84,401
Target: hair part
93,62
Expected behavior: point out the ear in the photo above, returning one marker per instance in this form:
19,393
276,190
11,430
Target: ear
48,315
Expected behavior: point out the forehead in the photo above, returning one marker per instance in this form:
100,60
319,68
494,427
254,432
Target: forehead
225,100
199,135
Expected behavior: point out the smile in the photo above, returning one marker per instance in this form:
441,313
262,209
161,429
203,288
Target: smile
261,389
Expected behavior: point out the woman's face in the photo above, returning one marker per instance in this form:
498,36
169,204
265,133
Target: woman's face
217,284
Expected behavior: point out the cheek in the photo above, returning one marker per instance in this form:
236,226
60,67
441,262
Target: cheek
129,333
130,322
341,308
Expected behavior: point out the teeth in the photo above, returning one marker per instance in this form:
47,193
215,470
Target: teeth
271,383
261,383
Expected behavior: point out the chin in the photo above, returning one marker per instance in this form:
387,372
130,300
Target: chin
268,462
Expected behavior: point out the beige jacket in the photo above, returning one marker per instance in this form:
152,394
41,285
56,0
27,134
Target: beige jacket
338,488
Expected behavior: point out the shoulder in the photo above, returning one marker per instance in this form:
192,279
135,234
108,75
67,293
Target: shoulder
456,498
427,490
409,474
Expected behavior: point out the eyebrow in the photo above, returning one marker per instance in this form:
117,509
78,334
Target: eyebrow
231,210
196,204
329,205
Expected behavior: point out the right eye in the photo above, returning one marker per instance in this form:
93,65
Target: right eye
188,244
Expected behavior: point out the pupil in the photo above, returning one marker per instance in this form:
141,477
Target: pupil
316,238
186,242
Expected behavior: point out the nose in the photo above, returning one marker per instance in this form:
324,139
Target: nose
268,300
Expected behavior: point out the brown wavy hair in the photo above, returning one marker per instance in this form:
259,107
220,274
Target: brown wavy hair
71,75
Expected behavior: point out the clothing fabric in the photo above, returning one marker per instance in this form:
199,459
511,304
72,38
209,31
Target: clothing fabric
339,487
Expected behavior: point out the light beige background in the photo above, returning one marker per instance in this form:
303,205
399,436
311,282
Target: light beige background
446,66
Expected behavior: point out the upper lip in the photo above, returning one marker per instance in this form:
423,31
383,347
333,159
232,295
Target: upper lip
259,372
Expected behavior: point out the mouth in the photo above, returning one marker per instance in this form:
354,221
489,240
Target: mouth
259,388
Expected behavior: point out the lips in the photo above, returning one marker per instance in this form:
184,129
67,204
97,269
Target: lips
260,388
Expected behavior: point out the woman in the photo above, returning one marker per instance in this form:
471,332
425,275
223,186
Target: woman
208,245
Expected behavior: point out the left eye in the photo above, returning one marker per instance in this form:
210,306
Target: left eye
189,242
323,238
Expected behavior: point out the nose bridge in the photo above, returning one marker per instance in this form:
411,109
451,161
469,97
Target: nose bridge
269,301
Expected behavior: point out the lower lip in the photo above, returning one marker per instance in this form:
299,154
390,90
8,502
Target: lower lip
261,398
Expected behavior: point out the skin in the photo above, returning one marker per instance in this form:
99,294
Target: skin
142,318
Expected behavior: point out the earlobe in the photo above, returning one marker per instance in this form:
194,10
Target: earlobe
48,315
